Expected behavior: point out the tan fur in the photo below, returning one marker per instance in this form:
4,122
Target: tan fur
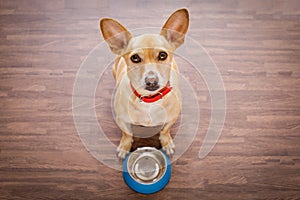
128,108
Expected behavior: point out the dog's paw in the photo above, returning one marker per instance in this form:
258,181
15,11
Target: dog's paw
121,152
169,148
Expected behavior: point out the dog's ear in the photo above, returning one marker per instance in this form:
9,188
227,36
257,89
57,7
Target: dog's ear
115,35
176,26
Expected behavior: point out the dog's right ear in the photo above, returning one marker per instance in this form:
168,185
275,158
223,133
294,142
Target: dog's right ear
115,35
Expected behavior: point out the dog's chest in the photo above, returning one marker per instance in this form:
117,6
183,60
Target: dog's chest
148,115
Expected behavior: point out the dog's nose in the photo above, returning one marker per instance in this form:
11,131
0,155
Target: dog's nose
151,81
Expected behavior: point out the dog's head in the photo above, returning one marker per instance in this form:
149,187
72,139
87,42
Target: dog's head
148,57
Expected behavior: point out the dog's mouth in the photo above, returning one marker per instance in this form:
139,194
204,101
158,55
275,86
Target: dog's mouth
152,87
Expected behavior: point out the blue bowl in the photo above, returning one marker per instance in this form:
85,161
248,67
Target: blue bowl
147,170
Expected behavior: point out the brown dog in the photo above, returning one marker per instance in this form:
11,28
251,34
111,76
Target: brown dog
146,74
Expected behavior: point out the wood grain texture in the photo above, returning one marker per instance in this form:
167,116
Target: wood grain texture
256,46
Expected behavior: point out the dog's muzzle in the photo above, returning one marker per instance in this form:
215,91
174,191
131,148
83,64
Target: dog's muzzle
151,81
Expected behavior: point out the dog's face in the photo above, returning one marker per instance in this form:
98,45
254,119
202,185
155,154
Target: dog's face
148,57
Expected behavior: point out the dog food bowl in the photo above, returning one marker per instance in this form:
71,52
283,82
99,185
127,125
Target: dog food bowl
147,170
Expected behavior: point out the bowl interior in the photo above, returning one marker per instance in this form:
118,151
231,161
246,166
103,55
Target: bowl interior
146,165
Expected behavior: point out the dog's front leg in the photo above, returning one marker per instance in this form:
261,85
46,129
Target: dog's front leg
166,140
125,145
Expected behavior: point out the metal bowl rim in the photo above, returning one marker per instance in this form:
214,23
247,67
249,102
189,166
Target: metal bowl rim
163,167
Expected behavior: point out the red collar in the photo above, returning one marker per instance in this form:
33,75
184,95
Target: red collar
154,97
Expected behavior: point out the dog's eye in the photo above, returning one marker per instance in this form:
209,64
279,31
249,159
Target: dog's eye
162,55
135,58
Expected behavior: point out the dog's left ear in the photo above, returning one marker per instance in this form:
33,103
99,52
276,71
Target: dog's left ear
115,35
176,26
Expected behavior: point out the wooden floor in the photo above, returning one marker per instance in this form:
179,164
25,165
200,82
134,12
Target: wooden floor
254,43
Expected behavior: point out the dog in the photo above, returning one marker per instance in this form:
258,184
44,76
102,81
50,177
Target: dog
147,92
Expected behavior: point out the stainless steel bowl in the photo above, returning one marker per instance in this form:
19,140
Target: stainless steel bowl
147,170
146,164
